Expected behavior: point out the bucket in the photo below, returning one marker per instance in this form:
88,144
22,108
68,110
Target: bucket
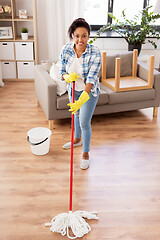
39,139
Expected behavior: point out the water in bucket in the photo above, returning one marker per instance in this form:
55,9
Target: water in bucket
39,139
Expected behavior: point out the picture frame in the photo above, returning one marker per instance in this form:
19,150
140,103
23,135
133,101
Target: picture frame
6,33
22,13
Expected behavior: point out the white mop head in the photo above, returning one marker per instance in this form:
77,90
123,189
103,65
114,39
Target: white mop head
62,222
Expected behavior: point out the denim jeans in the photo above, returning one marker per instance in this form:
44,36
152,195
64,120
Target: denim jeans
82,119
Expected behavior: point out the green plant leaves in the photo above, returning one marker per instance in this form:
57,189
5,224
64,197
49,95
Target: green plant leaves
130,31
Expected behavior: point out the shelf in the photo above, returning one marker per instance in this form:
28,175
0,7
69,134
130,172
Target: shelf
13,20
6,40
19,39
3,60
24,60
17,19
8,19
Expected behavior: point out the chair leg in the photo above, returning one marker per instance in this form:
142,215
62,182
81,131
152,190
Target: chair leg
155,111
51,124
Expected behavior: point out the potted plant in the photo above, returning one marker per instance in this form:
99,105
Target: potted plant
24,33
134,31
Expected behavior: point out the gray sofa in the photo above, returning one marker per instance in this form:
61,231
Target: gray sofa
55,107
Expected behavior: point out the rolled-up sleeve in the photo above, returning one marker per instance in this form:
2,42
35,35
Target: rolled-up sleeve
62,63
95,68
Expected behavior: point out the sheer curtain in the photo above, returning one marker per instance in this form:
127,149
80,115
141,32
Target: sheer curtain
54,18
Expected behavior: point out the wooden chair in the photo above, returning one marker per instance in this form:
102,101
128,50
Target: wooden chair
128,83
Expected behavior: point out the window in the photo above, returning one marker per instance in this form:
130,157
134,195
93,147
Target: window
153,3
96,10
131,8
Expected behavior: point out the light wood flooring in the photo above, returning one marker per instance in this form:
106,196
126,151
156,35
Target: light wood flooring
122,183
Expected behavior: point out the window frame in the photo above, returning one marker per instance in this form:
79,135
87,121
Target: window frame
109,19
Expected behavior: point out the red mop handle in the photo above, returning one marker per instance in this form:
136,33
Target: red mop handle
71,166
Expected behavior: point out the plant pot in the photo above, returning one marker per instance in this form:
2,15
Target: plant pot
132,47
24,36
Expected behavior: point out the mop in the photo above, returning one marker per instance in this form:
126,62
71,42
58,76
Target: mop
72,220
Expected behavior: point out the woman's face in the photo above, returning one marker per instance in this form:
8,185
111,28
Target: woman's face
81,37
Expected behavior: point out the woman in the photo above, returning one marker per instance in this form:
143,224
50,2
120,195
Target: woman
81,60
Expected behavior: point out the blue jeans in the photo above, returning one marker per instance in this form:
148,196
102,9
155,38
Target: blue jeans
82,119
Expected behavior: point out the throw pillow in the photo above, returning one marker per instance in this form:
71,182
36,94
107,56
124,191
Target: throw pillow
55,74
110,65
47,65
126,64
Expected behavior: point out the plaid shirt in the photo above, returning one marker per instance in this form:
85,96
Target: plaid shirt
91,62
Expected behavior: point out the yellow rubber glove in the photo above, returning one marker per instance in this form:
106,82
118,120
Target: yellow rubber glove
82,99
70,77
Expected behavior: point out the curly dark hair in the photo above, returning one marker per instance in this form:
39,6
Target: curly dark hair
79,22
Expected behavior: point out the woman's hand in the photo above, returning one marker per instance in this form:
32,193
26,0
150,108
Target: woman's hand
70,77
84,97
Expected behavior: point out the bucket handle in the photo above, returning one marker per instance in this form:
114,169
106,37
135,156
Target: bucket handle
35,144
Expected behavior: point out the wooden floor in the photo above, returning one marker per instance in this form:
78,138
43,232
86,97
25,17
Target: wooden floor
122,183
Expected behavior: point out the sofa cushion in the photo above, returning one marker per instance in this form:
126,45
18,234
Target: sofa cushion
125,68
129,96
103,98
63,100
126,64
110,65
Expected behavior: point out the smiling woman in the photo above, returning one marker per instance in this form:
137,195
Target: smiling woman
81,60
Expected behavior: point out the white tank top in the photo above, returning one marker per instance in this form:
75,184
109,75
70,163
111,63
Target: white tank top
76,66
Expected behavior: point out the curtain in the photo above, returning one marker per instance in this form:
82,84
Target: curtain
54,19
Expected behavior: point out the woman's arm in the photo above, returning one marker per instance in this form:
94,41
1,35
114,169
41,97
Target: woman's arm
94,69
64,76
88,87
62,63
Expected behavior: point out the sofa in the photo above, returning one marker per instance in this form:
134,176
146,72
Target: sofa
55,107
